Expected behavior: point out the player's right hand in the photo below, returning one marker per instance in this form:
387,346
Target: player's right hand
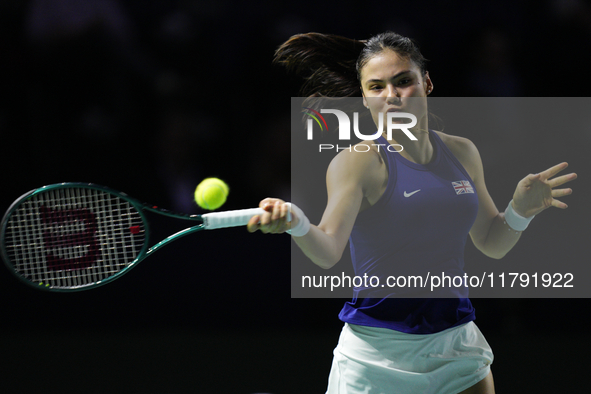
274,220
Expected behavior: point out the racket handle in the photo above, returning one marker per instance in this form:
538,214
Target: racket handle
214,220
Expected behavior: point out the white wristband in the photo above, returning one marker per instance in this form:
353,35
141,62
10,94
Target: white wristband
303,224
515,220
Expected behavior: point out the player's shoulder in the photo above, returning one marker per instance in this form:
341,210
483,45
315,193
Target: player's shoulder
461,147
464,150
359,161
363,153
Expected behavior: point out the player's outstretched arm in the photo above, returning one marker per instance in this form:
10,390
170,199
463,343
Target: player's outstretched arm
347,182
496,233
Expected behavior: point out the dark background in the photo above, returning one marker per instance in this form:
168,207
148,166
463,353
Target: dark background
151,96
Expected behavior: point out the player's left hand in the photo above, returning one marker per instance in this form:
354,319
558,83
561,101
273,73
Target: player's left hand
536,192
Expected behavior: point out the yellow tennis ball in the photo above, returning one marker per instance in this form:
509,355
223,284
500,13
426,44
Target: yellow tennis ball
211,193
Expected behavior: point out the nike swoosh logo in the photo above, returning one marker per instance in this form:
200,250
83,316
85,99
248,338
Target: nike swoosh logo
410,194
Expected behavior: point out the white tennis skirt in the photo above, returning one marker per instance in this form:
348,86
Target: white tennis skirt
372,360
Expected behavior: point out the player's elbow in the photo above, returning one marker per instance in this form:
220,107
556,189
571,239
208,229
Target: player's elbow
328,260
493,253
327,263
489,250
496,255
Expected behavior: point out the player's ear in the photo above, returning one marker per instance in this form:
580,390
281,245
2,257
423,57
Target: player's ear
364,99
428,83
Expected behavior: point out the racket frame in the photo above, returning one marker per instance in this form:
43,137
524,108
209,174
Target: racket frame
140,207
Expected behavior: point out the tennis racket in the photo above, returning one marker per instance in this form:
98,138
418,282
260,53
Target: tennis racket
77,236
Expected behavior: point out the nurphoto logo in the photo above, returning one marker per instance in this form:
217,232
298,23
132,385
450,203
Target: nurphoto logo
345,128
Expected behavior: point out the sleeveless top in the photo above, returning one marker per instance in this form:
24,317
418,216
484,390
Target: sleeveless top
418,227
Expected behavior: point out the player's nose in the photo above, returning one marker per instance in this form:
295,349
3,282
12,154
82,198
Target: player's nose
392,91
393,95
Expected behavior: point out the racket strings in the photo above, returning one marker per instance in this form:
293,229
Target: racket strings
73,237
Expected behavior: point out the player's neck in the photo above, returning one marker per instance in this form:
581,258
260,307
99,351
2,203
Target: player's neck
419,151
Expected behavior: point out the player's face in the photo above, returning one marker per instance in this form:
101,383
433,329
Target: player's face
393,83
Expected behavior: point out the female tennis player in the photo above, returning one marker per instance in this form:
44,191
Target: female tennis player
414,208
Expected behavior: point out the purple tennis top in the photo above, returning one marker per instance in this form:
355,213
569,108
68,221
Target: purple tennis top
418,227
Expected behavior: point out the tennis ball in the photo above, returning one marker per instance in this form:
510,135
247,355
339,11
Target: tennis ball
211,193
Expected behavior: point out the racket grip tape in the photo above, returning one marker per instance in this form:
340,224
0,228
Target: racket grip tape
215,220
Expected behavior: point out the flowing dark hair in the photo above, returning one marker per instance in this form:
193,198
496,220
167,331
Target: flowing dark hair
331,65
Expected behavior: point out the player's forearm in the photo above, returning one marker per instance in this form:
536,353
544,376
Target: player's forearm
500,239
320,247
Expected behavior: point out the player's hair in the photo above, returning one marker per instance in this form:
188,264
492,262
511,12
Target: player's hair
331,65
